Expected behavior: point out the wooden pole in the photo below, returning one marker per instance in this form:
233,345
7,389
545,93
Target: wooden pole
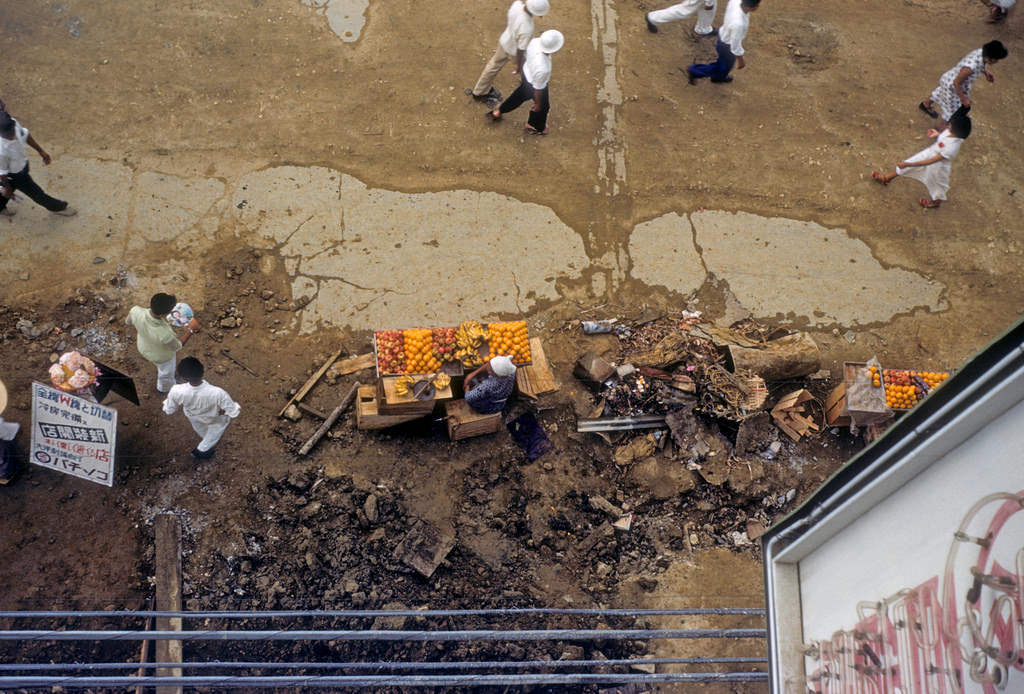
144,655
168,593
308,385
331,419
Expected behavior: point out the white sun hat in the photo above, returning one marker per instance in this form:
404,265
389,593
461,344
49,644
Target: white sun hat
502,366
551,40
538,8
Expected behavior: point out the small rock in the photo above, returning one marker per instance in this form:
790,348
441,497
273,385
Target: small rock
24,277
351,587
97,260
292,412
572,653
310,509
267,294
370,508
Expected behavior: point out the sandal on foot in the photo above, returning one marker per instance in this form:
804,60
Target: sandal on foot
494,118
880,178
930,111
929,204
533,131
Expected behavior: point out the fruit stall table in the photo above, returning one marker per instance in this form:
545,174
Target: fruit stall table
890,392
418,367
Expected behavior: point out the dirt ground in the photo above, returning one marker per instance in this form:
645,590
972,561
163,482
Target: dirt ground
193,89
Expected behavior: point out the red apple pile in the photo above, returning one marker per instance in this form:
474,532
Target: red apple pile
390,351
444,344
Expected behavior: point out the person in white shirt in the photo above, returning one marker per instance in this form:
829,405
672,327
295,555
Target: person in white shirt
14,143
536,76
931,165
705,10
511,44
729,46
209,409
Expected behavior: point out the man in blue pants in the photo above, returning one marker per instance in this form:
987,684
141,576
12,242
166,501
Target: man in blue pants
729,45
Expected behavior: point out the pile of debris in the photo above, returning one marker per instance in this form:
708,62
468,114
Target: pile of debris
697,394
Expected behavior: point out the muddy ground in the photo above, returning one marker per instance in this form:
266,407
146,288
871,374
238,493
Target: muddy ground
214,92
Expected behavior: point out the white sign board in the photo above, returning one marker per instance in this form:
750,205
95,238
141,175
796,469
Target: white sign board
73,435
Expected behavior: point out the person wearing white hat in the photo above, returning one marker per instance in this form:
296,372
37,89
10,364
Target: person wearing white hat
536,76
705,10
511,44
488,396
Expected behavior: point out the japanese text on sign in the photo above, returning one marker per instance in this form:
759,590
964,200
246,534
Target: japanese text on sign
73,435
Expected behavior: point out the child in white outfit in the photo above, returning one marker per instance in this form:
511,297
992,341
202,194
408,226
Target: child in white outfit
209,409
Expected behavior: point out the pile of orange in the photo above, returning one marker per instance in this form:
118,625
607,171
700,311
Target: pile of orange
419,356
510,339
876,378
903,388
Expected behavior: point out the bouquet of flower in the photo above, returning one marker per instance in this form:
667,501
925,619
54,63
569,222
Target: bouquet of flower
73,372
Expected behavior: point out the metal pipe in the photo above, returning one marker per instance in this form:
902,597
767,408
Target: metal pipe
382,680
250,614
380,635
381,665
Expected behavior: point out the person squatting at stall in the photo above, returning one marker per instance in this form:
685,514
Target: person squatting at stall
489,395
14,143
536,75
511,44
729,46
157,341
931,166
705,10
954,88
209,409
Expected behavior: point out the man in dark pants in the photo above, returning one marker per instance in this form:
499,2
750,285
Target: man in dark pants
729,45
14,143
536,75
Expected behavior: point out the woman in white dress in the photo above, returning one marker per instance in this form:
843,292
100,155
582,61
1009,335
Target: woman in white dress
931,166
954,88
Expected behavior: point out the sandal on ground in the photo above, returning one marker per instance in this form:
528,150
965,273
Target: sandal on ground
930,111
929,204
533,131
880,178
494,118
996,15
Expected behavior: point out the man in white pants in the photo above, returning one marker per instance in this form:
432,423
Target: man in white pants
157,341
512,44
209,409
705,10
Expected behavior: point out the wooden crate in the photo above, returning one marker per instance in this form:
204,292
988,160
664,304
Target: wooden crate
464,423
391,403
368,415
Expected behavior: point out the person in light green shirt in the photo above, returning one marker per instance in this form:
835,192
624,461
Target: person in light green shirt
157,340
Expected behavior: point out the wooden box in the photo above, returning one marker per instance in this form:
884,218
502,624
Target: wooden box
391,403
464,423
536,379
836,413
368,415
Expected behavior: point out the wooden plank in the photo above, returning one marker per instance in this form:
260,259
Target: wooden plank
353,364
310,410
308,385
392,398
167,528
331,419
542,379
368,416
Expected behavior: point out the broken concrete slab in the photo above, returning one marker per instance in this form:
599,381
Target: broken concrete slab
423,548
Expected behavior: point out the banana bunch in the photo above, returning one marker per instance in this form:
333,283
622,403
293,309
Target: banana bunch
402,385
468,340
442,381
